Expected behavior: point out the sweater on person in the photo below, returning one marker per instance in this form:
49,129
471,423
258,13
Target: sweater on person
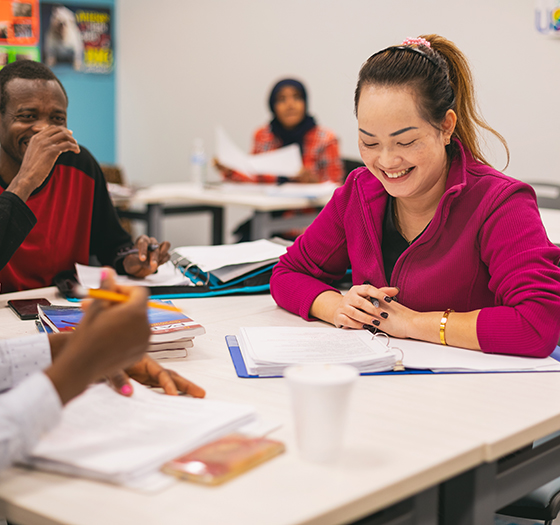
485,248
67,218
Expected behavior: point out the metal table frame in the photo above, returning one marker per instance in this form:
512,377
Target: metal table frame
473,497
154,213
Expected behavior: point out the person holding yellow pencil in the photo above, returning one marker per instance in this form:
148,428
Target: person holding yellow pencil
110,343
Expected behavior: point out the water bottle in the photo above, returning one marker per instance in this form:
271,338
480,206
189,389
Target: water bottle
198,163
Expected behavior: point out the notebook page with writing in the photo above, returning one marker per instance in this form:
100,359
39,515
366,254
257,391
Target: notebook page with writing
109,437
268,350
167,275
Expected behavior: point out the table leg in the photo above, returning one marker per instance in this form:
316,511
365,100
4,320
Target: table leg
473,497
260,225
421,509
217,225
264,224
154,221
469,499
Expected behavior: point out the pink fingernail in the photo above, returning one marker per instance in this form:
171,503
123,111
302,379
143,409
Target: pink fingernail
104,274
126,390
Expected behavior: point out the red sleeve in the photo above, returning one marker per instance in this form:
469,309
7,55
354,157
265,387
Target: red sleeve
333,170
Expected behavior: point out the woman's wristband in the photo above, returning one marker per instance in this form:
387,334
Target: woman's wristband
443,324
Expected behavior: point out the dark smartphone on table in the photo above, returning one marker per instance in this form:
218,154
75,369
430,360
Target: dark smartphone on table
26,309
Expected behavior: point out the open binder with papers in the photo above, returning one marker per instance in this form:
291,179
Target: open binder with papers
194,271
266,351
226,269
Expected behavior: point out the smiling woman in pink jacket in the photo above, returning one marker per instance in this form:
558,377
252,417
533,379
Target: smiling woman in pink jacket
443,248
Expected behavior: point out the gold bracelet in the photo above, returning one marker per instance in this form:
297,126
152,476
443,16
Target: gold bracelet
443,324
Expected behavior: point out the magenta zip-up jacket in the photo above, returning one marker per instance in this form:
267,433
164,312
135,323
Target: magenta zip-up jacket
486,248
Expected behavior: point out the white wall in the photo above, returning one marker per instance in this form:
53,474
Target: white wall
185,66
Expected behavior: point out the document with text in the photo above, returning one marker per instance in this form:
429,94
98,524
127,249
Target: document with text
284,161
125,440
266,351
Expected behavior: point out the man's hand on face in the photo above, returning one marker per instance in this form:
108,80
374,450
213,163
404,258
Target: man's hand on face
43,150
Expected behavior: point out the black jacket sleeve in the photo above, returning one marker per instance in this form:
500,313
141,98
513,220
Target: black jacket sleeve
108,237
16,221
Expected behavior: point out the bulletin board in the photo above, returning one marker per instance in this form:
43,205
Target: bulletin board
19,30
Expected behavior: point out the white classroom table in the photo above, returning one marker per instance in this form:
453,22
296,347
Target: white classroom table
153,203
184,198
551,221
413,441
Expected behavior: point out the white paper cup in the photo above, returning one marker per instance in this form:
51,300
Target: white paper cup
320,395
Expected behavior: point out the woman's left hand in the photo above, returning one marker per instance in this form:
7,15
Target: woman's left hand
151,373
399,320
378,307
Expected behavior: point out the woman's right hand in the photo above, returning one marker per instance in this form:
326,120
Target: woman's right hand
361,305
226,172
306,176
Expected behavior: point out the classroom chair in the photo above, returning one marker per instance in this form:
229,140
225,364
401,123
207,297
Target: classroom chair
114,175
350,165
542,504
548,194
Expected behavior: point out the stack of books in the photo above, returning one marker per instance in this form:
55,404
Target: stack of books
172,332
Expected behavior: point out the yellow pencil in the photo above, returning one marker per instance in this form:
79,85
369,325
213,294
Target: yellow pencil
96,293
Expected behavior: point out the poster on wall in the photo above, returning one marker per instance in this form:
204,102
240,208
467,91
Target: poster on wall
547,17
19,30
77,36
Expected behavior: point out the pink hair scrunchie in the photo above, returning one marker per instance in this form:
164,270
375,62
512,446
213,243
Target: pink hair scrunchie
416,42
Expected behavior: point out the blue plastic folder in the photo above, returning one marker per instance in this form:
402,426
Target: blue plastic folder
241,369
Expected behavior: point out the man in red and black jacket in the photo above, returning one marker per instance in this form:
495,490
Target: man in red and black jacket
54,206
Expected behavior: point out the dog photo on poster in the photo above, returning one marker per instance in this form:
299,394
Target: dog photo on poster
77,36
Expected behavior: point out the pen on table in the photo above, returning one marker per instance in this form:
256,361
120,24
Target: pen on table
375,302
97,293
128,251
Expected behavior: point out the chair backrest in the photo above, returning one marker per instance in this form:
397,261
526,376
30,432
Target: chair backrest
113,174
548,194
350,165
